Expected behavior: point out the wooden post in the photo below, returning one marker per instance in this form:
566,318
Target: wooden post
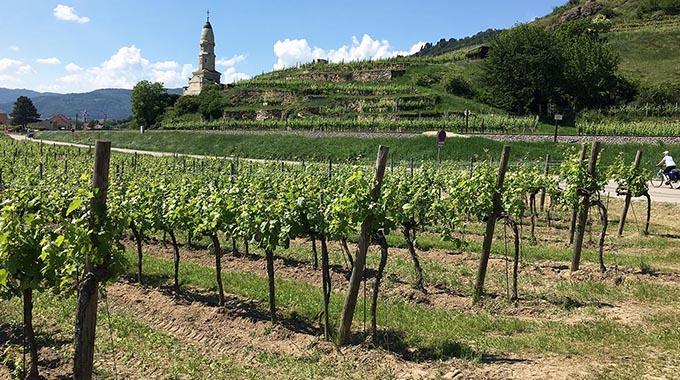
626,202
360,260
86,314
583,210
491,223
545,172
574,213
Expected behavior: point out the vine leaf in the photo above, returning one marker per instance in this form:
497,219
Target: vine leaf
75,203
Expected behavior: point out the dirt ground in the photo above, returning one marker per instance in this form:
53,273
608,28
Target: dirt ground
193,318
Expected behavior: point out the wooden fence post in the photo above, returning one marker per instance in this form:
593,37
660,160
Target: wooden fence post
86,314
545,172
360,260
574,213
491,223
583,210
626,202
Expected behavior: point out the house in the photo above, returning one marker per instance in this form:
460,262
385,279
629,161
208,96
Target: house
4,119
59,122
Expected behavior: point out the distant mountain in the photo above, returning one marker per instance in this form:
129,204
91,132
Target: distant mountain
10,96
452,44
115,103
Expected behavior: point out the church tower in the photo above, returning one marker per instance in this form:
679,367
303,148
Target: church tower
206,72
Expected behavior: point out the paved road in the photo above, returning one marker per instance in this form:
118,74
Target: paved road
661,194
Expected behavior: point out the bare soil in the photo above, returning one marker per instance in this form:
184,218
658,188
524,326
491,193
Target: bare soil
241,332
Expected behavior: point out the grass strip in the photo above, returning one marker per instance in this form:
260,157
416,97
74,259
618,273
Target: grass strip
421,149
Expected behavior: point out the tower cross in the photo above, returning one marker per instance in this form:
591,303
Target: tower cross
208,14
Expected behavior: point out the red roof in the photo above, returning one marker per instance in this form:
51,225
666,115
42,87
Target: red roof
60,121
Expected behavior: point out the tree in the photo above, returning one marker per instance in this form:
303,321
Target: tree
529,67
149,101
24,112
589,66
187,104
524,69
210,104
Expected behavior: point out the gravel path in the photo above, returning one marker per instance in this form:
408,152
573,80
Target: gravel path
496,137
663,194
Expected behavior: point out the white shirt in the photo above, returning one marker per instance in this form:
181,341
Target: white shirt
668,160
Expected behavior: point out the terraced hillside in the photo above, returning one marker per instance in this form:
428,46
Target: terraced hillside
400,94
434,88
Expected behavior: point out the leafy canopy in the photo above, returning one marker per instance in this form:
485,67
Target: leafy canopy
149,101
24,112
524,68
530,67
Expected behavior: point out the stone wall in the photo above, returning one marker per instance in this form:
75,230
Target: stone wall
349,76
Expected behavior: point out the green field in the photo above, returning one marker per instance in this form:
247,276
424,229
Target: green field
421,149
650,56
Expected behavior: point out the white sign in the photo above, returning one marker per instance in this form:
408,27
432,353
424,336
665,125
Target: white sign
558,117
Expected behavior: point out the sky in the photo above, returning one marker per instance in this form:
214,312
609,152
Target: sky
74,46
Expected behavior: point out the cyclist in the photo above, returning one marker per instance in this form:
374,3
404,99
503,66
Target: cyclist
668,163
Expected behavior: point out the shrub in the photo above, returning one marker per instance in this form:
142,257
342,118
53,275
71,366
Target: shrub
457,85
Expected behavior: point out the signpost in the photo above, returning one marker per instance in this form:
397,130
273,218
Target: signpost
441,136
467,117
558,117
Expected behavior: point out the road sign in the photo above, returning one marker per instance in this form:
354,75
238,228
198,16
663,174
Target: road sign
441,136
558,117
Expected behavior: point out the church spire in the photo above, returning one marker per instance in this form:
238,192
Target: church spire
206,72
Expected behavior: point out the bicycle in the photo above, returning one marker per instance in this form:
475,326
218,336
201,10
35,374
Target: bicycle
662,178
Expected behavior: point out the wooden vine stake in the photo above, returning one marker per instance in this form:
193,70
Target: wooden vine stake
574,213
491,223
86,314
545,172
360,260
583,210
626,203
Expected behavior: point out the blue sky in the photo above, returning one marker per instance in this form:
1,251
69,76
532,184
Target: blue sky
81,45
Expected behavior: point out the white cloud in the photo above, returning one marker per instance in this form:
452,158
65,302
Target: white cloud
127,67
14,48
291,52
7,64
66,13
166,65
228,62
229,72
73,68
230,75
187,70
12,72
48,61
